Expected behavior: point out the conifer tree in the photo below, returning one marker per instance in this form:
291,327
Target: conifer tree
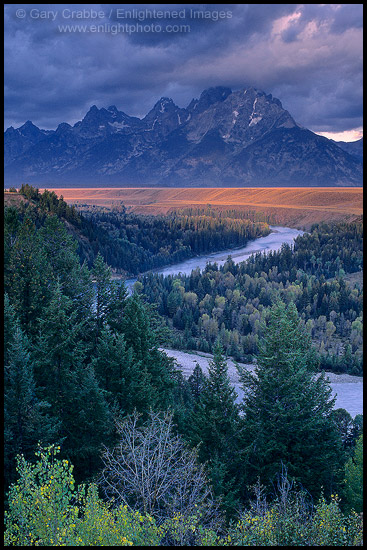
115,368
101,274
60,249
136,329
116,305
74,279
288,410
154,369
70,385
11,322
197,382
87,421
215,425
354,479
58,349
27,419
28,276
11,228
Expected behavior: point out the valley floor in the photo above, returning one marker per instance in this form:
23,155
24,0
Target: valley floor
292,206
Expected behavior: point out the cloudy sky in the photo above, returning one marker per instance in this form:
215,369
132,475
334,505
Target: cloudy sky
62,58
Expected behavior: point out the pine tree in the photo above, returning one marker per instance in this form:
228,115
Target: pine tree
74,279
28,276
214,425
154,370
11,322
116,305
58,349
26,418
136,329
115,368
60,249
70,385
11,228
101,274
197,382
354,479
288,410
87,421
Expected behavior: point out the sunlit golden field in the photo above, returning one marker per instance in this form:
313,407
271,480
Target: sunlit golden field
297,207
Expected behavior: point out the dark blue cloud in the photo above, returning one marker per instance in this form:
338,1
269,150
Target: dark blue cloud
309,55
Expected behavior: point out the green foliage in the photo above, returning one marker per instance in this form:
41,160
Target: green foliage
152,388
46,509
26,275
40,511
293,525
49,202
214,425
26,417
77,360
80,354
234,300
353,490
287,410
135,243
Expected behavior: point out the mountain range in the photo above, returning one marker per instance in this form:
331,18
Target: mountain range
225,138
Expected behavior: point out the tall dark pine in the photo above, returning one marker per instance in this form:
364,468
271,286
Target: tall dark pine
288,410
115,369
28,276
101,276
70,385
58,349
154,369
27,419
215,425
11,322
88,421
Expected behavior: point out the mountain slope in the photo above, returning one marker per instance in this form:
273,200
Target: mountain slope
224,138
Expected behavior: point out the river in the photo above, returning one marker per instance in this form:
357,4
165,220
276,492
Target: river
271,242
348,389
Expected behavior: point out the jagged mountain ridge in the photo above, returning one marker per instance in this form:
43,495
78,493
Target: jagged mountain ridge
224,138
354,148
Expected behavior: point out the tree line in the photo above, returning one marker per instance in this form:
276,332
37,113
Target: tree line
132,243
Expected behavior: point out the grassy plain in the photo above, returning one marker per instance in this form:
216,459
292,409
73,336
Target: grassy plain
295,207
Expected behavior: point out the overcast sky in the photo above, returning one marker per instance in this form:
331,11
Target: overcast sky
309,56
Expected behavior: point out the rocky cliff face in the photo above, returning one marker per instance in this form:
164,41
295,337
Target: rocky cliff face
224,138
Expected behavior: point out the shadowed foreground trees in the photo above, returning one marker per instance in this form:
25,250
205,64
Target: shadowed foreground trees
354,479
215,426
288,410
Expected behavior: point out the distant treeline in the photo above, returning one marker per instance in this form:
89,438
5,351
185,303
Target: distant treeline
135,243
220,212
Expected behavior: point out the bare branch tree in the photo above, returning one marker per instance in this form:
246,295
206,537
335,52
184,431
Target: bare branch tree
153,470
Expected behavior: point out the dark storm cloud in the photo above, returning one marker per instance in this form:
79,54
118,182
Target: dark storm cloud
309,56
